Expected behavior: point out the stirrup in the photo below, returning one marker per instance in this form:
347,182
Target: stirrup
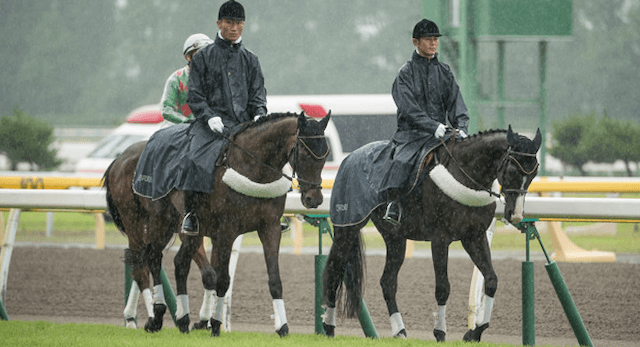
391,219
195,231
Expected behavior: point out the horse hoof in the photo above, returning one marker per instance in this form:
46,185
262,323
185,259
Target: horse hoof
402,334
183,324
215,327
439,334
154,324
475,334
130,323
201,325
329,330
283,331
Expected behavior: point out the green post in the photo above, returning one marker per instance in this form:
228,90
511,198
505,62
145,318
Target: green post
569,306
570,310
3,312
543,106
501,93
169,295
320,262
366,322
528,311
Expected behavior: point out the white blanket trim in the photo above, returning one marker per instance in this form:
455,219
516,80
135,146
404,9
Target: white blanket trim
244,185
457,191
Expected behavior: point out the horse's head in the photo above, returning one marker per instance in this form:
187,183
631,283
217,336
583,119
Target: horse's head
308,157
516,171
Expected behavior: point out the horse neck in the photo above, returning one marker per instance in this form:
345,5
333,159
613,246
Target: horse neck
269,144
478,156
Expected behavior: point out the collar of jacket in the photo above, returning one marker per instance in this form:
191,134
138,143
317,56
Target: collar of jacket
424,60
222,42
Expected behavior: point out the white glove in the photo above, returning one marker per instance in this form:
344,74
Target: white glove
440,131
255,119
462,134
216,124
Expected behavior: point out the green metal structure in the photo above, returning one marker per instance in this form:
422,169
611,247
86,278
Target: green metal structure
467,23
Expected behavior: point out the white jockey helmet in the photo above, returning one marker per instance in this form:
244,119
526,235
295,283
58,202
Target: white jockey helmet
195,42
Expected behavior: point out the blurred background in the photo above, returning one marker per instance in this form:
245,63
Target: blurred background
79,64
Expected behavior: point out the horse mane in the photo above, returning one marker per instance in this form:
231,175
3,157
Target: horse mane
271,117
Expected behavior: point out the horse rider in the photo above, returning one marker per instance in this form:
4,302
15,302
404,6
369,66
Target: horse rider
174,97
427,96
226,88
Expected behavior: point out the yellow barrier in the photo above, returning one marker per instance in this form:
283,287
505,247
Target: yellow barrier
51,182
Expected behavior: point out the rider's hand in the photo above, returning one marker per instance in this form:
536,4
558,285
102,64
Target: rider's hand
440,131
462,134
255,119
216,124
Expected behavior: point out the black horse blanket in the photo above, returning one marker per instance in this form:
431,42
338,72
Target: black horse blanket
175,158
354,196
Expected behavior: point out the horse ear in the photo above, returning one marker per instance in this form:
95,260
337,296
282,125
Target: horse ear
302,120
537,141
325,120
511,137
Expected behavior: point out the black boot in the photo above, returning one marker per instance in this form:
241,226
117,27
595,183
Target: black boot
394,210
190,221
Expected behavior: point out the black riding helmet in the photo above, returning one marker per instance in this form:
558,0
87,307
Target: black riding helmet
424,28
232,10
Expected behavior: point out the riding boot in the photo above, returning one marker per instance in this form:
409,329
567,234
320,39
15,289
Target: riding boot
394,210
190,221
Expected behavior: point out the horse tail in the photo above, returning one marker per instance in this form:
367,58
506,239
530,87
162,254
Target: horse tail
343,279
111,205
354,278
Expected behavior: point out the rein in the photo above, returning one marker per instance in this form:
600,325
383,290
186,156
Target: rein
492,193
299,139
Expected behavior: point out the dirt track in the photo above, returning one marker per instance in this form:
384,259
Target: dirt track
84,285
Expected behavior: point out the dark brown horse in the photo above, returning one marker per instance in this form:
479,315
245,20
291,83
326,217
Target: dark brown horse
452,203
249,194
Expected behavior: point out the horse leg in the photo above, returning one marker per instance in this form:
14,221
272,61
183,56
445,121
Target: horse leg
140,274
346,239
182,263
220,254
270,238
396,248
208,281
480,253
440,255
153,257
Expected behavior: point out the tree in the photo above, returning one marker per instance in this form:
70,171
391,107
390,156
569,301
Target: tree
612,139
567,137
26,138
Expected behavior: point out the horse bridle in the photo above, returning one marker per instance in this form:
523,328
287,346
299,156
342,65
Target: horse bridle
509,156
294,153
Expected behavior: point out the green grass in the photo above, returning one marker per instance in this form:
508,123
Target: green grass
18,333
80,227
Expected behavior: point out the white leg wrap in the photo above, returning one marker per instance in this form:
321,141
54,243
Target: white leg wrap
219,310
329,316
396,323
131,309
488,307
148,302
158,295
207,307
441,318
280,316
182,305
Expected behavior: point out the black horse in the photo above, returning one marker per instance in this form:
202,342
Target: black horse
249,194
454,202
